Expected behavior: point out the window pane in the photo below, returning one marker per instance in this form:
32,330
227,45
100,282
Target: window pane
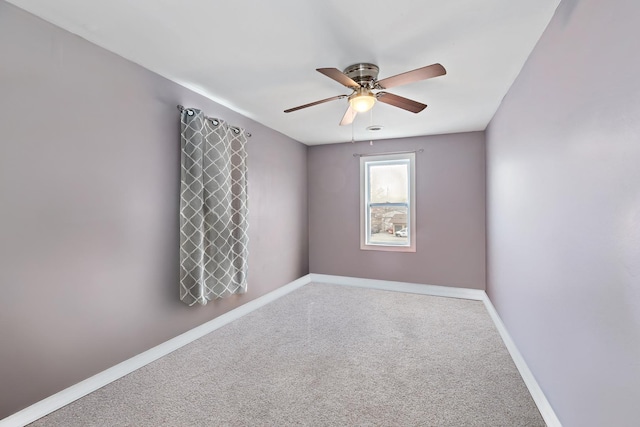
388,225
389,183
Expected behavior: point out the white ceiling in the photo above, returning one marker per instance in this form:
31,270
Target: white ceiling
259,57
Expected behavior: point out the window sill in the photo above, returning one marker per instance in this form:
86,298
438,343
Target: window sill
387,248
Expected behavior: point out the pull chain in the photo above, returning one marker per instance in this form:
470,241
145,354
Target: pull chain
352,141
371,124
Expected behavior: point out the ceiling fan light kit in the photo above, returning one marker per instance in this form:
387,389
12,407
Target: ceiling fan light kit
362,100
362,79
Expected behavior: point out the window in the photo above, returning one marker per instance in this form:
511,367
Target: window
387,203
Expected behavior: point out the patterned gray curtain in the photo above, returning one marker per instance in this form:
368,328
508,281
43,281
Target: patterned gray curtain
213,209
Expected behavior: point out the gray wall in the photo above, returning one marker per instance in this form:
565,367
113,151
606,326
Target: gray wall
563,156
89,180
450,191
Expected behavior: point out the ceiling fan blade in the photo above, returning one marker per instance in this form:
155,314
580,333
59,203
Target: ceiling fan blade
423,73
311,104
400,102
339,76
348,117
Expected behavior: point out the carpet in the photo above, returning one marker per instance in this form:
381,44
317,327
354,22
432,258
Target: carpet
326,355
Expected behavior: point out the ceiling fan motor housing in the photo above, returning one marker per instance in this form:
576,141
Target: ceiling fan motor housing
364,74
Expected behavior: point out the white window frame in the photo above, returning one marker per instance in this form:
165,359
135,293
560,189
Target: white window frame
365,162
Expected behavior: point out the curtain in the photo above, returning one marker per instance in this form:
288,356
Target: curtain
213,209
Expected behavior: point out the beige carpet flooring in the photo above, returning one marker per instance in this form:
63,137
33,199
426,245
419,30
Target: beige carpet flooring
326,355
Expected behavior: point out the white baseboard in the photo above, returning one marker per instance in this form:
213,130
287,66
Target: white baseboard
68,395
75,392
411,288
547,412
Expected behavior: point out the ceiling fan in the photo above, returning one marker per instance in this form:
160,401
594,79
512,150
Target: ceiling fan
363,80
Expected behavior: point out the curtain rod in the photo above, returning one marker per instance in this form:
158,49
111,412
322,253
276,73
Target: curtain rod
388,153
215,121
